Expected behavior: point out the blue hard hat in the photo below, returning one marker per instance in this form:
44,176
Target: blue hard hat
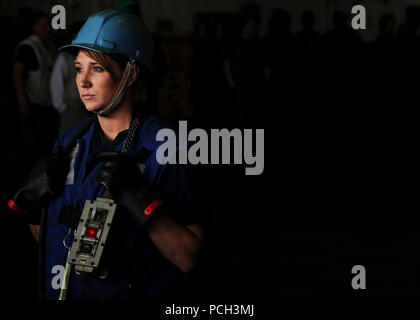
115,32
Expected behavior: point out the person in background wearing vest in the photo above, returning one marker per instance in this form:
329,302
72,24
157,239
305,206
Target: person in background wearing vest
64,95
157,234
33,62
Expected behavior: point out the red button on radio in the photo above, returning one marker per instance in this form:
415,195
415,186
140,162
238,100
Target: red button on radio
91,232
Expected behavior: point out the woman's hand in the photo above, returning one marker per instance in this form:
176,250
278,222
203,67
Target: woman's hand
46,180
121,175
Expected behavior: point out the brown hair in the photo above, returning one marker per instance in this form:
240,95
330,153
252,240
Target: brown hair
102,60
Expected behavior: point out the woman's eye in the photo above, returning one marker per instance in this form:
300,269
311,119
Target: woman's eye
78,69
98,69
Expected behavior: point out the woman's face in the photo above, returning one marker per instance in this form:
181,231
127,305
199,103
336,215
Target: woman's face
95,84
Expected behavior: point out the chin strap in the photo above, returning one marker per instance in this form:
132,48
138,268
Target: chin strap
119,94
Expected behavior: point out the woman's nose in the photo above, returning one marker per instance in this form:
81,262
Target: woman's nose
84,81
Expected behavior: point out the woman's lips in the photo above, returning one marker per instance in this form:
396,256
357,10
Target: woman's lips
88,96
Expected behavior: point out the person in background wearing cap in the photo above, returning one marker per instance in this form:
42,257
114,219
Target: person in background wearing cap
156,233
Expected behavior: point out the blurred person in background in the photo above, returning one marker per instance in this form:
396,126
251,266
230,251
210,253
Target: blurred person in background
244,67
38,120
33,65
64,95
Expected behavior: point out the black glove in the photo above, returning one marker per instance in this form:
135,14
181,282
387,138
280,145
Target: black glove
46,181
121,175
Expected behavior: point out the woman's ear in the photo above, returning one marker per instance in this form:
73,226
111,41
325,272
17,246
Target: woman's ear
135,76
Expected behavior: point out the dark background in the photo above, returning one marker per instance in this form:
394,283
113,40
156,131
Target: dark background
340,184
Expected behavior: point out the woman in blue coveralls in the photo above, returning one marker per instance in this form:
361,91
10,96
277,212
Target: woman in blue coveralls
155,233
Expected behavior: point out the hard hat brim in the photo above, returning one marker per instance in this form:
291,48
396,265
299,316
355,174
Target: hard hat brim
73,48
